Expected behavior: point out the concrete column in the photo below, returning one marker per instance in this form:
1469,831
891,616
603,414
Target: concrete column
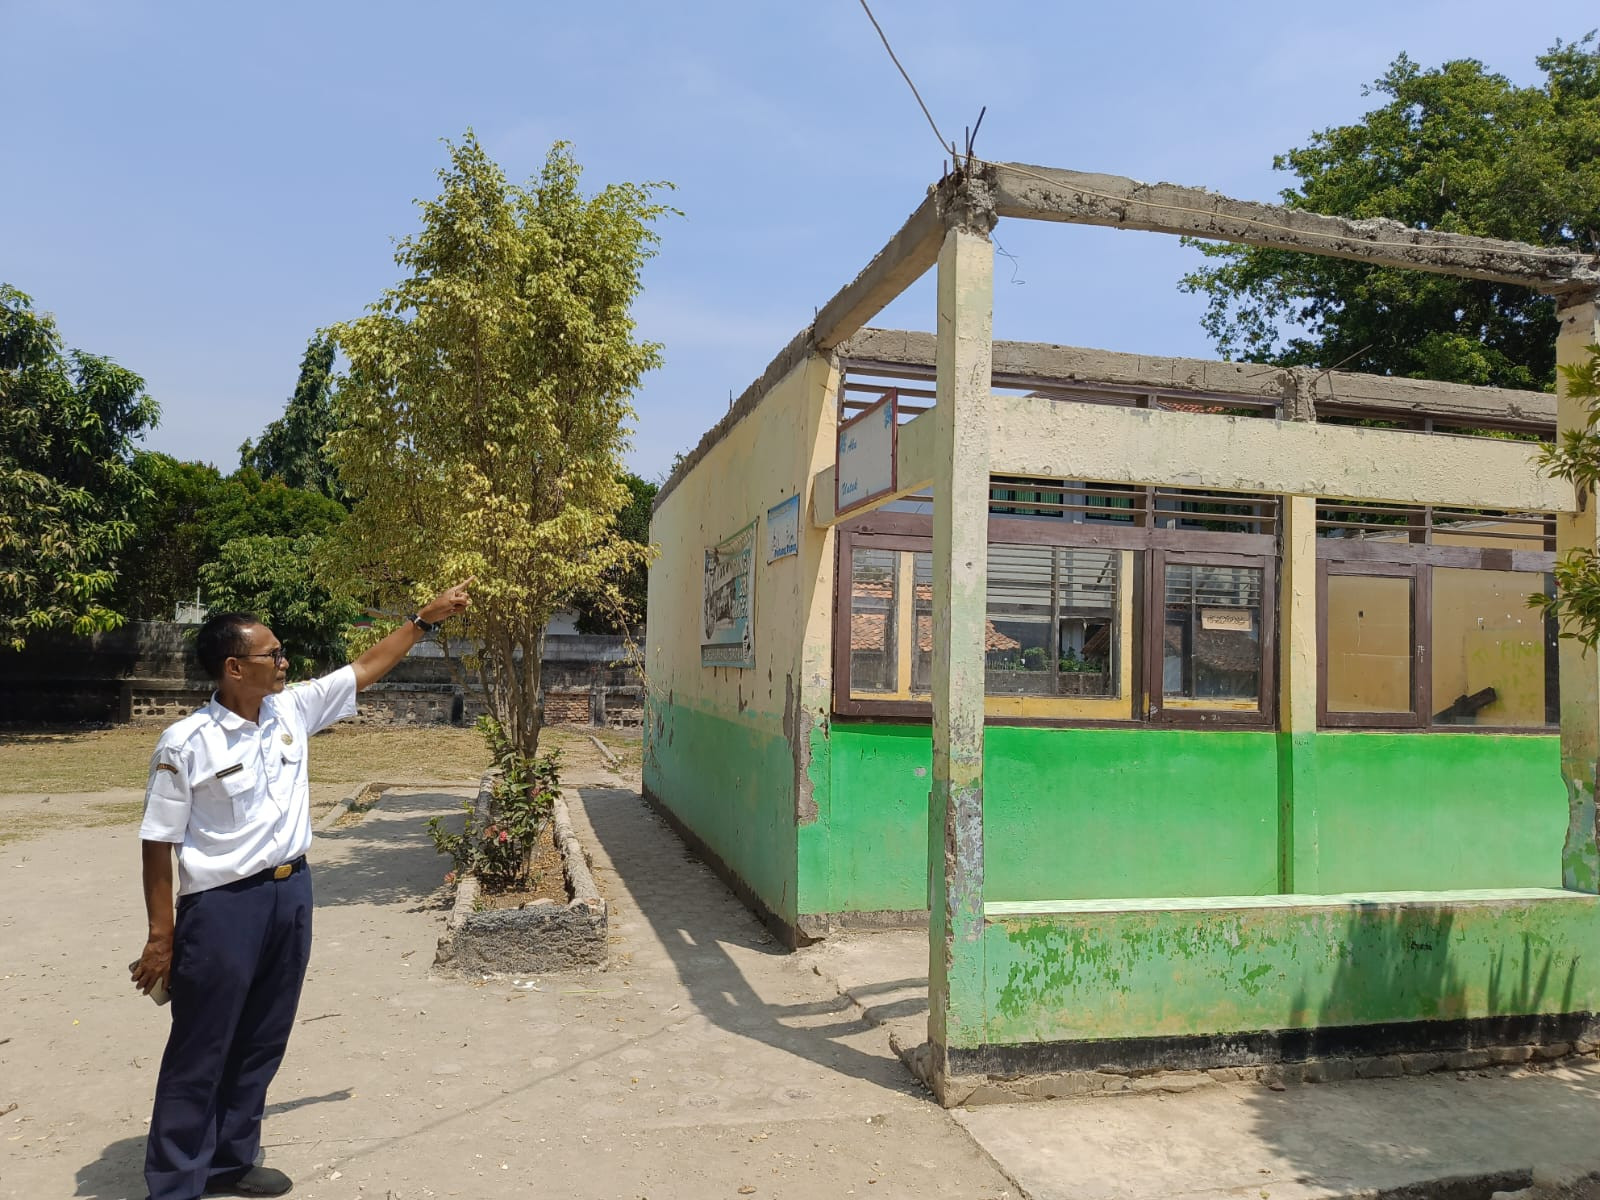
1297,697
960,574
1580,672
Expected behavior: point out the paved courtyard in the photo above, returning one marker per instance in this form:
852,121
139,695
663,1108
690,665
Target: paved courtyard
704,1062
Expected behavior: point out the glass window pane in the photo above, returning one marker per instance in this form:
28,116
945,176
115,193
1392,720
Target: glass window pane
1053,615
1490,650
922,652
874,621
1211,634
1489,533
1369,645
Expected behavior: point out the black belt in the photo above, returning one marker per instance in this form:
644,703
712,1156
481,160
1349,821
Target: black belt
282,871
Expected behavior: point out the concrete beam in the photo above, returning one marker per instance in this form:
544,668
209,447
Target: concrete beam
1052,194
961,426
1043,363
790,357
908,254
1033,436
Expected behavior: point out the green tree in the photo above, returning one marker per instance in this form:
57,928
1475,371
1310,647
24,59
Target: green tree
1575,457
1455,149
68,421
269,575
632,583
293,448
159,564
247,505
483,413
258,540
190,514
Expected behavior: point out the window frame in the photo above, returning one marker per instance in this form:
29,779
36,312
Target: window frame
848,543
1348,556
1421,642
1198,716
913,533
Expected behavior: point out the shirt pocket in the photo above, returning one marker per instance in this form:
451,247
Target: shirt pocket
285,759
222,802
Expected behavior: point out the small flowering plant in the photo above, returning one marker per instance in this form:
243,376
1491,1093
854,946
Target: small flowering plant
501,851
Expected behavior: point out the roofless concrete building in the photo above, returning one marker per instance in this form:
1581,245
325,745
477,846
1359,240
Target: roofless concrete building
1196,707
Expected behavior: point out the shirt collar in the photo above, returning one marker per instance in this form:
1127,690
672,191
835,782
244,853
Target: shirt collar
226,717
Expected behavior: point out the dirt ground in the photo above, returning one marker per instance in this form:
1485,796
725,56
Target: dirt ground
93,778
703,1062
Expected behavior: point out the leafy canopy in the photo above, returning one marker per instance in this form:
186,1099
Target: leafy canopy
1456,149
68,421
1575,457
159,565
633,583
485,409
293,447
269,575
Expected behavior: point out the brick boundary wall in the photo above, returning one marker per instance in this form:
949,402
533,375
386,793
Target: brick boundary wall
145,673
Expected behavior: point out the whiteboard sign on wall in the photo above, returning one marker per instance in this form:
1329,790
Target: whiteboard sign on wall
783,529
865,467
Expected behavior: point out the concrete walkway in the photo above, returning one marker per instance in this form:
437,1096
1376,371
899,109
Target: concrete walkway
1365,1138
703,1063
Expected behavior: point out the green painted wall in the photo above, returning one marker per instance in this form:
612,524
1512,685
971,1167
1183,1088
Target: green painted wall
1435,811
868,851
1126,974
1088,813
732,782
1068,813
1079,813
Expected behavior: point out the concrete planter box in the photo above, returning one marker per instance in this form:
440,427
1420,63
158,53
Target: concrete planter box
542,938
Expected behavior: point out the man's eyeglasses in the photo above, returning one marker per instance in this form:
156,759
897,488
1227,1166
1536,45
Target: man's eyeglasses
280,655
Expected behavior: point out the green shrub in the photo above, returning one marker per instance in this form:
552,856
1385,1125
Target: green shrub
520,801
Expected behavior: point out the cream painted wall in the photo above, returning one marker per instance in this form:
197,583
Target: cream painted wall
768,456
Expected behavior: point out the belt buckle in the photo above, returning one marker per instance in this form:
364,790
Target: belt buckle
283,872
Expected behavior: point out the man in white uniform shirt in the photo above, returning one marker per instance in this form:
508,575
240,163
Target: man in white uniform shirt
228,791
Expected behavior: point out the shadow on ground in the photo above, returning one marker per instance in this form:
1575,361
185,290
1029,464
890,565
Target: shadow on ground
118,1174
702,926
1401,962
387,857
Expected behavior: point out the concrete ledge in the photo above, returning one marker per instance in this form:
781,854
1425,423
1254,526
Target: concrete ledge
965,1088
543,937
820,925
999,909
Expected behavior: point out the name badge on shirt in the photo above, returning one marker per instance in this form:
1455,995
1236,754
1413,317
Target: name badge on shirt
233,770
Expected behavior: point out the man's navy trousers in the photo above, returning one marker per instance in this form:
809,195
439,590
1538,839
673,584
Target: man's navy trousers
239,955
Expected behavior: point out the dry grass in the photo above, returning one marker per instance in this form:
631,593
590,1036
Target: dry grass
99,760
20,825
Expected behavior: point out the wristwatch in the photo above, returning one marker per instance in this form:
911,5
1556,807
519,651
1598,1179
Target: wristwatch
426,626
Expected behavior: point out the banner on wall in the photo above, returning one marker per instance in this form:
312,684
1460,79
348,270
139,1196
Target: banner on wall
783,529
729,591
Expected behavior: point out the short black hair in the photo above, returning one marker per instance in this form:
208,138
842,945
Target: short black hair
221,638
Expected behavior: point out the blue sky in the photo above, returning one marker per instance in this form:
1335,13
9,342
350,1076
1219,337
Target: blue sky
194,189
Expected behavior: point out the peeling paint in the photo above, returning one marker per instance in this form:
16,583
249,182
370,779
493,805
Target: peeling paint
797,728
1163,973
